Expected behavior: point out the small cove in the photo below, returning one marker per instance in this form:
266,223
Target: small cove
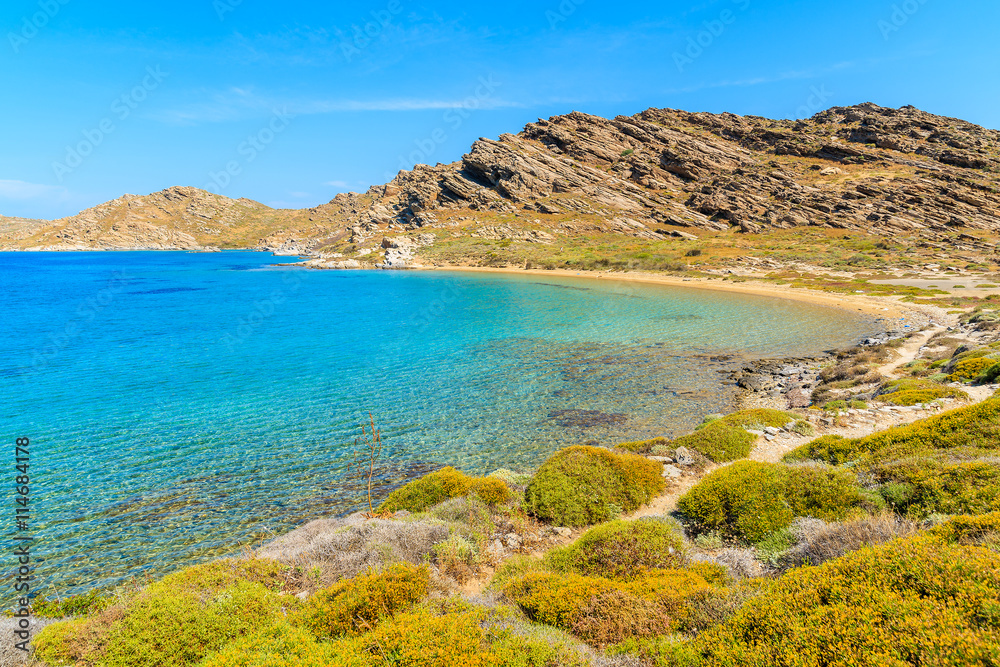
181,405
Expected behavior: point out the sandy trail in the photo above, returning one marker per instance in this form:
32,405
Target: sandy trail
909,351
859,423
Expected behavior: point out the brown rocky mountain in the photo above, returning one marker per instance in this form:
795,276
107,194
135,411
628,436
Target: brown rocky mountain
659,174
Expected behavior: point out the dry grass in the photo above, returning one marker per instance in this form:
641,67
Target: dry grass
741,563
327,550
819,541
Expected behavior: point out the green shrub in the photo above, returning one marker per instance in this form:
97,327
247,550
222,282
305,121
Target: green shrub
578,486
929,486
990,375
969,431
622,550
719,441
441,485
492,490
354,606
910,602
758,418
286,646
726,439
446,633
751,500
803,427
745,499
772,547
456,634
833,449
74,605
821,492
942,464
910,391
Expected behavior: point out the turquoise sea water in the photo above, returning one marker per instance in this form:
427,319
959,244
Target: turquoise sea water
180,405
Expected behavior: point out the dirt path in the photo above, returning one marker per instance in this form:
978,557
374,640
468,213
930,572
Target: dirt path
909,351
854,424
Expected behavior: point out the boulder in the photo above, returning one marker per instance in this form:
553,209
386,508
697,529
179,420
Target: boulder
684,457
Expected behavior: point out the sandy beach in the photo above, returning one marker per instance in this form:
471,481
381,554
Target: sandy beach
890,308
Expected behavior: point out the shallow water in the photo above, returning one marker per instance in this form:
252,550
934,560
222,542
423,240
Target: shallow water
180,405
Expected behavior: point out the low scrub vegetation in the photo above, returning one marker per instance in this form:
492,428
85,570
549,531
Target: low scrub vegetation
622,550
442,485
232,613
605,611
728,438
750,501
911,391
357,605
942,464
580,486
175,621
915,601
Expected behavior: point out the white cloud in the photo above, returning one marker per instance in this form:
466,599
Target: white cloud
336,184
239,103
23,191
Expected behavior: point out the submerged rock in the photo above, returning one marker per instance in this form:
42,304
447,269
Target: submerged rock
586,418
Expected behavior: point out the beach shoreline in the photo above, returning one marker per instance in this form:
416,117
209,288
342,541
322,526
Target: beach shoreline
885,307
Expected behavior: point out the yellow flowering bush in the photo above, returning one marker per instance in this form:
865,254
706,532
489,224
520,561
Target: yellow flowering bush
440,485
910,391
357,605
970,369
981,530
455,634
175,621
579,486
443,634
283,645
917,601
605,611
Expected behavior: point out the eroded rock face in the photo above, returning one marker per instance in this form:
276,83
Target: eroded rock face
664,167
866,168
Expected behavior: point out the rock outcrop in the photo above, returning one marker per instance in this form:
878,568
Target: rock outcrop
867,168
661,173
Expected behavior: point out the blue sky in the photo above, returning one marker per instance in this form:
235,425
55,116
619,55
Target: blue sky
290,103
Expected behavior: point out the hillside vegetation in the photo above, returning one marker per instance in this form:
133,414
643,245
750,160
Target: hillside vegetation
877,550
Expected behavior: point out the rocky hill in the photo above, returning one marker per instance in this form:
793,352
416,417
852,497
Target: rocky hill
657,175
